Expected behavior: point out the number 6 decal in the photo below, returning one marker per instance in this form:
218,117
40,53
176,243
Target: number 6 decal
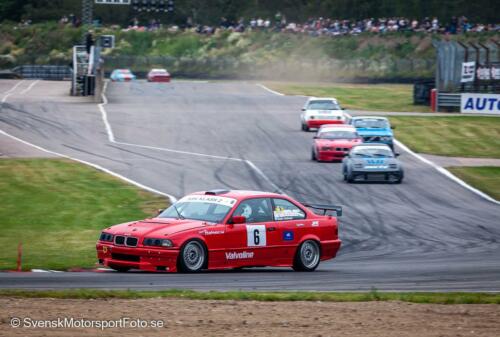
256,235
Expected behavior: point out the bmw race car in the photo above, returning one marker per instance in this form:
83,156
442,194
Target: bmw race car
221,229
158,75
374,129
320,111
333,142
375,162
122,75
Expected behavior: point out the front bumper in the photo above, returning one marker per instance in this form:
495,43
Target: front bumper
148,259
374,175
331,155
316,123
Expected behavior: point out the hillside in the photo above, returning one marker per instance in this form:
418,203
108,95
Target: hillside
393,56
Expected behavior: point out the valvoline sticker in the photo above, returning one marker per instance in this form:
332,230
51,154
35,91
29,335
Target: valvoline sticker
288,235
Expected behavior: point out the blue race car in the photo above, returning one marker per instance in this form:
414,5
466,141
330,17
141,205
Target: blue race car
122,75
374,129
375,162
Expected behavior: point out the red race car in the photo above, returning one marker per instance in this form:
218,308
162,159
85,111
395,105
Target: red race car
333,142
222,229
158,75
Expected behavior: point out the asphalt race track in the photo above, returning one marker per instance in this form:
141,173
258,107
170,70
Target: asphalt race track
427,234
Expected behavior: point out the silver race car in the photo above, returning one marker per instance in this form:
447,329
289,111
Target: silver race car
372,162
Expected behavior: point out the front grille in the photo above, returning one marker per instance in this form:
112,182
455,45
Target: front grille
125,257
131,241
372,139
126,240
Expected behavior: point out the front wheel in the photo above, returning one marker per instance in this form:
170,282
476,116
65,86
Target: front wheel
305,127
313,155
307,257
192,257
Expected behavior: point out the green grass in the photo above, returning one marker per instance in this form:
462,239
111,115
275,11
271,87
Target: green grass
484,178
414,297
57,208
371,97
457,136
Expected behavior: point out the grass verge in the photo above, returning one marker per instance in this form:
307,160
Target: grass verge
413,297
456,136
56,209
484,178
370,97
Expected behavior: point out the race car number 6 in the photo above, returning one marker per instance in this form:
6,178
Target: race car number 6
256,235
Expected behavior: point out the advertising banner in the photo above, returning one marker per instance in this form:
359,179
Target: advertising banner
480,103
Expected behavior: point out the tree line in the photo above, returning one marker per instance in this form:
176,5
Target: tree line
211,11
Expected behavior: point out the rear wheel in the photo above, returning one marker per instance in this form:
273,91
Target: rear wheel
307,257
305,127
192,257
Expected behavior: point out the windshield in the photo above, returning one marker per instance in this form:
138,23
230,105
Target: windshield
323,105
200,207
369,152
338,135
371,123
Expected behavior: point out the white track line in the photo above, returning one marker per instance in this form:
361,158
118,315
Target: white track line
10,91
29,88
440,169
111,138
270,90
446,173
98,167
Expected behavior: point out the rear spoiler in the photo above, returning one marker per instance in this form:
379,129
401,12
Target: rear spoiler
325,208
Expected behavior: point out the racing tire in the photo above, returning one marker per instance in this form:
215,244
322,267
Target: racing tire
120,269
313,155
400,179
349,177
307,257
305,127
192,257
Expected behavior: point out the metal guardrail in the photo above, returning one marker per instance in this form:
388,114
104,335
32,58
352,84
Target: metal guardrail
44,72
450,101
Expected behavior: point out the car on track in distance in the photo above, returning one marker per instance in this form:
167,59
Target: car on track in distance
372,162
158,75
122,75
334,141
320,111
222,229
374,129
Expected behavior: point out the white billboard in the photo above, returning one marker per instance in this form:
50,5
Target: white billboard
480,103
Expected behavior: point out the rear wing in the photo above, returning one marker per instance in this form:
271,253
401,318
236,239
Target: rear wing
325,208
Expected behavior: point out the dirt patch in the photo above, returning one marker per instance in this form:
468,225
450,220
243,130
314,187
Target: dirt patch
251,318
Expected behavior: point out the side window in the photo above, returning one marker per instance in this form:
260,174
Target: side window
285,210
255,210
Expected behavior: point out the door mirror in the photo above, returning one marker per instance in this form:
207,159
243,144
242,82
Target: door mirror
397,154
393,127
315,137
159,211
238,219
303,109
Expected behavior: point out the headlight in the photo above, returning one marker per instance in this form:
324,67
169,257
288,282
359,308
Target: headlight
358,165
158,242
106,237
385,139
393,166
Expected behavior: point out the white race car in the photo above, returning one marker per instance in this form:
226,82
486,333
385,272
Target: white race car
319,111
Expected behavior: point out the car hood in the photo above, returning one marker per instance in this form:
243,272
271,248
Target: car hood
337,142
155,227
374,132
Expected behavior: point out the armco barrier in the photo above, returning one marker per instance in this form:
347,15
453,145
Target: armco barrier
44,72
